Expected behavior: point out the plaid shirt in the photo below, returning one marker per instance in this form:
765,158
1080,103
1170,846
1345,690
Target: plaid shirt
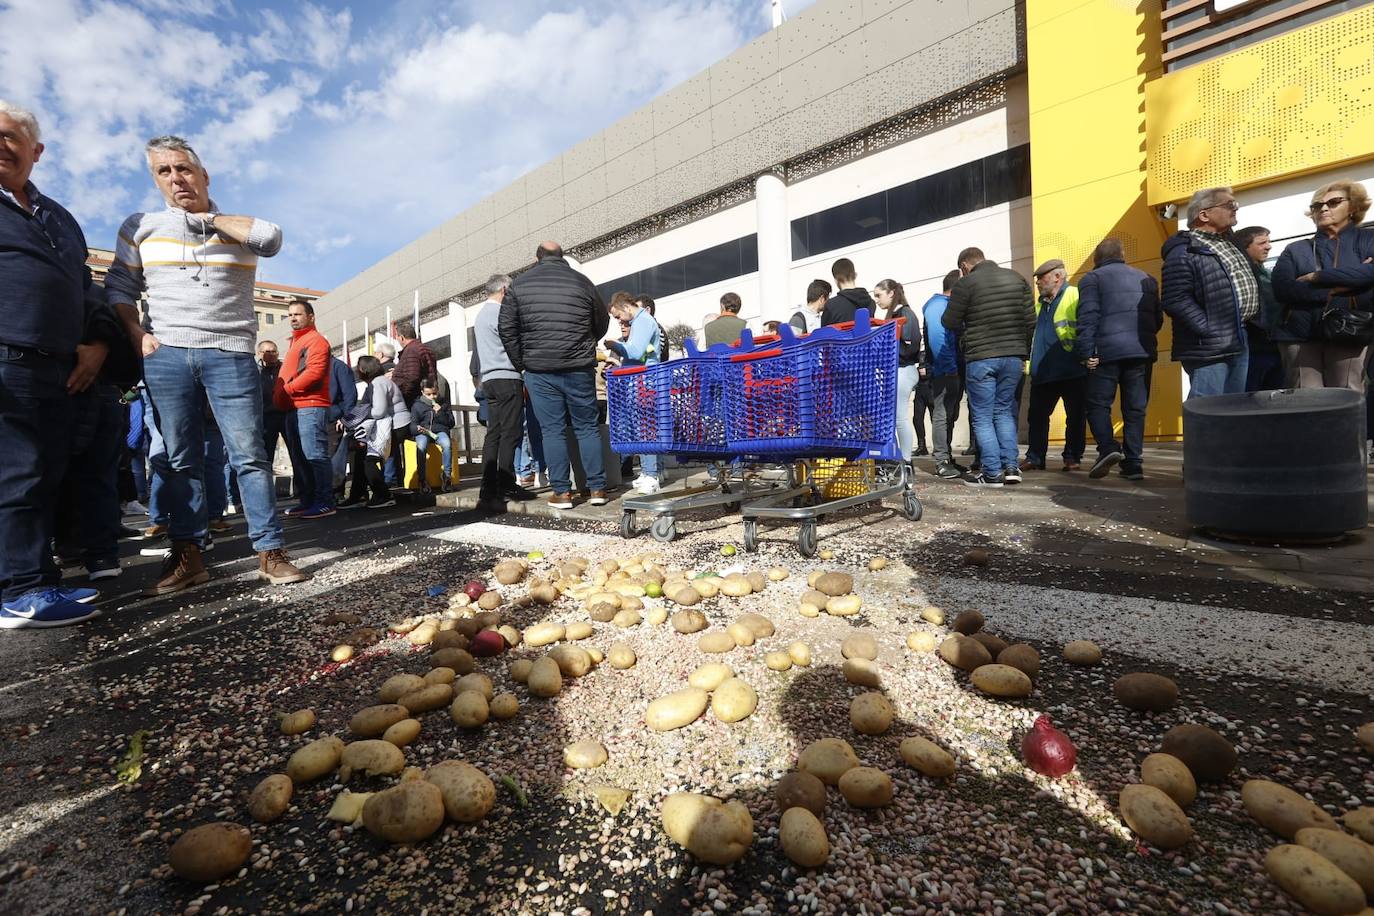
1238,268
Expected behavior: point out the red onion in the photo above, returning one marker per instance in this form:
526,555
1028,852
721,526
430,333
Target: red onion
487,643
1047,750
474,589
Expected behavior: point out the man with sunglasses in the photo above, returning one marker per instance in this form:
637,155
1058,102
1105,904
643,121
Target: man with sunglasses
1209,291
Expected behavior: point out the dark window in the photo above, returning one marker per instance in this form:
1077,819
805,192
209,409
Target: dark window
1006,176
848,224
271,318
748,254
629,283
664,279
441,347
713,265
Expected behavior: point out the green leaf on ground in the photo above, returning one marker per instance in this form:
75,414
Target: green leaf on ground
130,766
515,790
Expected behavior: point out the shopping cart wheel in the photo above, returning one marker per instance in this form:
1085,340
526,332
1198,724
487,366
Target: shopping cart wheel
627,524
806,539
664,528
751,536
911,506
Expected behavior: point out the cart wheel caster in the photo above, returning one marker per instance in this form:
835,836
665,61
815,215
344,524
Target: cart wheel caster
911,506
751,536
627,524
806,539
664,529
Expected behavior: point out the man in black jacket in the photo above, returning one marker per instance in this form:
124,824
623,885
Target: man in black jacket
994,309
849,299
551,320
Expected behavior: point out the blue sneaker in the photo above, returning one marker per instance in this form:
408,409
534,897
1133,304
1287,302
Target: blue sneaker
44,607
79,595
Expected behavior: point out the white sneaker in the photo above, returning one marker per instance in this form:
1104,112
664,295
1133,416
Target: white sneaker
646,485
229,509
134,507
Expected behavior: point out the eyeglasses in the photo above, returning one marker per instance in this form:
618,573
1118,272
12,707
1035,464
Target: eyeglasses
1228,205
1329,204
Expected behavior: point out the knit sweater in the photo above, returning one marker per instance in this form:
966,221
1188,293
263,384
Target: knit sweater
199,283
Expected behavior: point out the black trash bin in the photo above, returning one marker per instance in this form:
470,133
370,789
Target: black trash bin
1281,464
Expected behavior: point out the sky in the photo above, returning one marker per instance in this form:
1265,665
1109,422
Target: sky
357,128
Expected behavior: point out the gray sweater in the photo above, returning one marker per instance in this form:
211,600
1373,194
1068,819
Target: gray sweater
491,353
199,283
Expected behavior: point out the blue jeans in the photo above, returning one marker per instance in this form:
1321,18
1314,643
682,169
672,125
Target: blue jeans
992,401
178,379
1217,376
445,457
562,399
1132,376
307,438
37,438
529,454
216,473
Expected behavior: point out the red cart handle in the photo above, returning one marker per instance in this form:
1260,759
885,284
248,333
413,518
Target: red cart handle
761,354
627,370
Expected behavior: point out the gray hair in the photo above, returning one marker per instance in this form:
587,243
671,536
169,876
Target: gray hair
389,349
24,118
496,283
171,143
1205,199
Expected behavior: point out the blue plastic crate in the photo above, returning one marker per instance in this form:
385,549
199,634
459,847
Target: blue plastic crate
674,408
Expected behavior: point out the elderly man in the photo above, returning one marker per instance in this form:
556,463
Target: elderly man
47,308
1209,291
550,322
1054,373
505,391
197,267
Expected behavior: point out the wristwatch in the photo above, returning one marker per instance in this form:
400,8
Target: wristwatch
210,220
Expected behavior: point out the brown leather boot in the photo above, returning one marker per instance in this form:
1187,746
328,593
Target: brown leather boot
275,567
182,569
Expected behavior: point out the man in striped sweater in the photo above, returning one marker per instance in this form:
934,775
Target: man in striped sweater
197,267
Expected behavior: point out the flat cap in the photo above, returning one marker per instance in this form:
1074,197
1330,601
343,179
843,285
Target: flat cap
1052,264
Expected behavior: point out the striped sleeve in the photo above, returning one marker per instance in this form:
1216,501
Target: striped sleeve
124,283
264,238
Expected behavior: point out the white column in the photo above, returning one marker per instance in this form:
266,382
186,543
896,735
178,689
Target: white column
775,247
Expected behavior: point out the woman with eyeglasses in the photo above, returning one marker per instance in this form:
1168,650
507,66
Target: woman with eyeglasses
1318,279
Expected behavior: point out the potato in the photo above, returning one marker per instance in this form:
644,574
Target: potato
686,596
348,807
1351,855
809,610
778,573
489,600
346,618
844,606
676,709
813,602
572,661
270,798
1281,809
467,627
969,622
863,672
920,641
799,789
595,655
734,700
802,838
1001,681
1154,816
834,584
1210,756
470,709
584,755
1364,736
760,625
859,645
510,634
487,620
1169,775
631,603
933,615
976,557
504,706
467,793
508,572
520,670
657,615
927,757
580,630
449,639
812,576
543,593
1312,880
210,852
866,787
372,721
403,732
1146,692
440,676
460,660
714,831
398,685
406,813
316,759
871,713
424,634
602,612
716,642
475,683
964,653
1022,657
432,697
827,759
603,597
757,580
545,679
1361,823
707,586
877,563
740,635
689,621
626,618
542,634
778,661
710,676
621,656
735,586
371,758
341,653
295,723
800,653
993,643
1082,652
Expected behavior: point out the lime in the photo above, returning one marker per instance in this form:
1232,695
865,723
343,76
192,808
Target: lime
728,550
535,555
653,590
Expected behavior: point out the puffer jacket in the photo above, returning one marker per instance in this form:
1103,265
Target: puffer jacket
1200,299
1118,314
552,318
1339,263
996,310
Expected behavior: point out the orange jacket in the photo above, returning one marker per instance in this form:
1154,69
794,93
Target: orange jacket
304,377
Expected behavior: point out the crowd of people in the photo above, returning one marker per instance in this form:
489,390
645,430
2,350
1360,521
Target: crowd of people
154,390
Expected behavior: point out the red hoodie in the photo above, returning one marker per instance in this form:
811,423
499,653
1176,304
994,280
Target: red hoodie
304,377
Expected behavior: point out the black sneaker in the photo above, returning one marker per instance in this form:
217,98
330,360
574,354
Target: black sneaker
982,480
353,503
969,451
1133,473
1012,475
920,452
375,503
1103,465
518,494
948,471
